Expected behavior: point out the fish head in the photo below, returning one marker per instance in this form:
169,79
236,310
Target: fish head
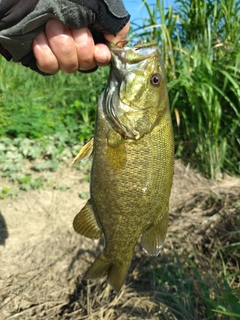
136,95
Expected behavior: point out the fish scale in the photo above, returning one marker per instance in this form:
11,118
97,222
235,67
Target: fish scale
132,167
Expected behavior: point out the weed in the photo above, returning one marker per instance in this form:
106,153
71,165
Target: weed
7,192
192,294
45,154
84,195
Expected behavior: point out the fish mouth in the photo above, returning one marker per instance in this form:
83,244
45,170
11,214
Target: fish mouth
125,118
123,56
126,59
115,108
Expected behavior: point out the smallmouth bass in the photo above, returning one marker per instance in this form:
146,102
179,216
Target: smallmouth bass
132,169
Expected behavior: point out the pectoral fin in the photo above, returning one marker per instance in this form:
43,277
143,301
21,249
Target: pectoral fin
116,151
85,223
85,152
153,238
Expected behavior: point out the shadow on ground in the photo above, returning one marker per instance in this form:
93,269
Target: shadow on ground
3,230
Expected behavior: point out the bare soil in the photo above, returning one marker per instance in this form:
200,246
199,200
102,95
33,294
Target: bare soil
42,259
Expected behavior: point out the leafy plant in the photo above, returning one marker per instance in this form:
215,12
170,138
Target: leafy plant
7,192
28,183
20,157
4,193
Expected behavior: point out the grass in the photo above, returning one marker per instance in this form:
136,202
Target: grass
194,291
200,47
33,106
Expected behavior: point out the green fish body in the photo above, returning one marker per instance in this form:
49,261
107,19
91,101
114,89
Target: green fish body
132,168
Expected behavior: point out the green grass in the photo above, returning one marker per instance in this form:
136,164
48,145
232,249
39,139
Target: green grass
33,106
200,47
190,292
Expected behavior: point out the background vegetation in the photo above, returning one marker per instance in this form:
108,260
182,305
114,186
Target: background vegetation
32,106
43,121
200,45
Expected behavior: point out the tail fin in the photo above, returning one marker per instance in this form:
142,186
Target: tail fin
115,272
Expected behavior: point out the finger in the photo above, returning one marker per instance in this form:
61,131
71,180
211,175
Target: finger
120,36
85,48
45,58
62,45
102,55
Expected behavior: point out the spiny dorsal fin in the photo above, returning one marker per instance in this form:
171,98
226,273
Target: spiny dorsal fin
85,223
85,152
152,240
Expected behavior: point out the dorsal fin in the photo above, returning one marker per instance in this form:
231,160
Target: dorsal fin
85,152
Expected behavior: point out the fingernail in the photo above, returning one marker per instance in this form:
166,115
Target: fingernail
56,27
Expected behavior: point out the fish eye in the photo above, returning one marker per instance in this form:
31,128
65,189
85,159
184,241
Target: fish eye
155,79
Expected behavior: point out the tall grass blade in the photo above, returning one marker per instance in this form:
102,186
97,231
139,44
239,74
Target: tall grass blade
200,47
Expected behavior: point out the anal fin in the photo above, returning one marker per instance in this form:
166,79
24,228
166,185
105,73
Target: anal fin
153,238
86,224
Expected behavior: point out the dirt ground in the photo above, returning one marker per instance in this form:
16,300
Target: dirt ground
42,259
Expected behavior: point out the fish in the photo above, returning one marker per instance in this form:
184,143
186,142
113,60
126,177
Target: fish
132,166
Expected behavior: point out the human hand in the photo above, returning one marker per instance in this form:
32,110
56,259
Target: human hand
70,50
